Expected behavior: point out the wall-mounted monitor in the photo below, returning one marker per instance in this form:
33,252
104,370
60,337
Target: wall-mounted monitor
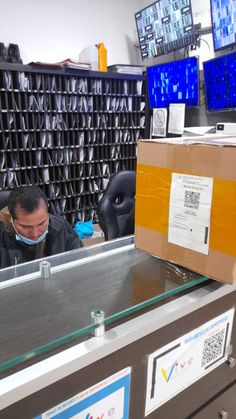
220,82
165,26
223,16
174,82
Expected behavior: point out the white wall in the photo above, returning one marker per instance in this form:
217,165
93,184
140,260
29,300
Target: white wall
52,30
202,14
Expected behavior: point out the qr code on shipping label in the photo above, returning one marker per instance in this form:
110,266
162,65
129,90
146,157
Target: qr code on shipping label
192,199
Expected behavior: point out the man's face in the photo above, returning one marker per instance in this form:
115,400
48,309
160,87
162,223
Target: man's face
31,225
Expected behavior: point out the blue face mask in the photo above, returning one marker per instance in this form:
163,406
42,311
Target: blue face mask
25,240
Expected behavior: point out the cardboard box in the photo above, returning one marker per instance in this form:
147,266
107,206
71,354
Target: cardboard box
97,237
186,203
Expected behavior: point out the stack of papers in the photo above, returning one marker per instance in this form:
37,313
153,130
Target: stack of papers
127,69
76,64
68,63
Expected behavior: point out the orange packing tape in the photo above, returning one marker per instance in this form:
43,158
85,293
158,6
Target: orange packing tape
152,206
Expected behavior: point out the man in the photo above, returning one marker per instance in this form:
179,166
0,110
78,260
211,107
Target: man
28,232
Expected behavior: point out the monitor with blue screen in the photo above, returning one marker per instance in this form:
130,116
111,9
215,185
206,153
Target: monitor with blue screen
220,82
174,82
223,16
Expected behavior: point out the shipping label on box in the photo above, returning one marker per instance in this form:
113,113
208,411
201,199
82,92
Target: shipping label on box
190,211
186,204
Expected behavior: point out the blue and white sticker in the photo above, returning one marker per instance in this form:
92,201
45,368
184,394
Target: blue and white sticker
108,399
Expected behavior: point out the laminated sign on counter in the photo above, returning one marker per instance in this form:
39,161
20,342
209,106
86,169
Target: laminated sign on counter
177,365
185,203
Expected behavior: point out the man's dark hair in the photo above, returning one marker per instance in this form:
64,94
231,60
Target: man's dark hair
28,197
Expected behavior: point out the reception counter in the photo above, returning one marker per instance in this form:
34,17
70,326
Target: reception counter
110,330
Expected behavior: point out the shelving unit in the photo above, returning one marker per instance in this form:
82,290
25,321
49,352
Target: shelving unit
68,131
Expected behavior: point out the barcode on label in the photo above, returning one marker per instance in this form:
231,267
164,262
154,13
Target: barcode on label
192,199
206,235
213,348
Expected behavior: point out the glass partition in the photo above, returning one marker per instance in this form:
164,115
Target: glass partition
38,315
33,268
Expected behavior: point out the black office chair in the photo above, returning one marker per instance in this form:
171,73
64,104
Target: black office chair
115,211
4,194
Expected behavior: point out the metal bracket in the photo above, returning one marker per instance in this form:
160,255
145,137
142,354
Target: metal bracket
45,269
231,361
98,317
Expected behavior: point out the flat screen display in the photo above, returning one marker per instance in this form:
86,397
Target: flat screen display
174,82
220,82
165,26
223,16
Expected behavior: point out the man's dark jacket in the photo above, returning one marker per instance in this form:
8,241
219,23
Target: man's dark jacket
60,238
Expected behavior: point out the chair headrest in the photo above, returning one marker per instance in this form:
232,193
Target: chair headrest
121,184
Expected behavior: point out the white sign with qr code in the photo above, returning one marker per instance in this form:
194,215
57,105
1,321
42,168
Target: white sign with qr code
190,212
185,360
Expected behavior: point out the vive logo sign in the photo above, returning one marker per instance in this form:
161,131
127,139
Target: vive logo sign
176,369
173,370
110,413
175,366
